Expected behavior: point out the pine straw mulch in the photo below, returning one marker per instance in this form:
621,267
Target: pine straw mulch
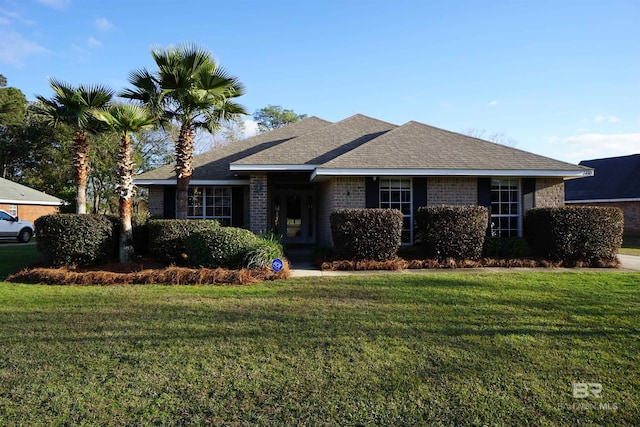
402,264
139,274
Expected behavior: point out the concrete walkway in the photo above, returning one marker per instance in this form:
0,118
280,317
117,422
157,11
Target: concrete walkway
630,263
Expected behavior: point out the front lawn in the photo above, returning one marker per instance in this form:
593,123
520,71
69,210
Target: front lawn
401,349
14,257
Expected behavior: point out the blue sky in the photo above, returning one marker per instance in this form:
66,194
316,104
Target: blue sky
562,78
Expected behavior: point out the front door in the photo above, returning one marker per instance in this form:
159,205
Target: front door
294,216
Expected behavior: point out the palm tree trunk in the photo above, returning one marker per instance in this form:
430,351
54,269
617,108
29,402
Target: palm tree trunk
125,189
184,168
81,169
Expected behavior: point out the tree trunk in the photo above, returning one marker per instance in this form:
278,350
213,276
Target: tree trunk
81,169
184,168
125,190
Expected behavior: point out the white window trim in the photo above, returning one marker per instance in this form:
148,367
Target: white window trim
204,206
518,199
13,210
410,242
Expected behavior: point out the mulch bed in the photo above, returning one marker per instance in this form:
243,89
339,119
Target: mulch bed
402,264
145,273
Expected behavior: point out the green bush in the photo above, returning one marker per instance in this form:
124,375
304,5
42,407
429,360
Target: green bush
452,231
366,234
584,233
168,237
267,248
220,247
71,239
506,247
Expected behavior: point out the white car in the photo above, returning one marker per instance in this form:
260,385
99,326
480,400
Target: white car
12,227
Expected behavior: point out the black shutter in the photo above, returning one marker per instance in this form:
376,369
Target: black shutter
237,206
169,210
371,193
528,194
484,198
419,193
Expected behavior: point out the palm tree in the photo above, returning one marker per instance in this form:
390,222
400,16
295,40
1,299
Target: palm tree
72,105
125,119
191,88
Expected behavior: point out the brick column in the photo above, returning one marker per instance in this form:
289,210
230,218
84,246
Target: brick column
258,206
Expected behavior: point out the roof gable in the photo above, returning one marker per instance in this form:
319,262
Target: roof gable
418,146
614,178
321,145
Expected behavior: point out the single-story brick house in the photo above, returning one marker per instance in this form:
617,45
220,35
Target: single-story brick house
616,183
289,180
25,202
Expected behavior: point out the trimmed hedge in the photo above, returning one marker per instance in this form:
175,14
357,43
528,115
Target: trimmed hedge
571,233
168,237
372,234
220,247
452,231
72,239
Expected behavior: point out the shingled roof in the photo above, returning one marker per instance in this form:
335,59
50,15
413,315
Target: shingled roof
12,193
361,145
320,146
418,146
214,164
615,178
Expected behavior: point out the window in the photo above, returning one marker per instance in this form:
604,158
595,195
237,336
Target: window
210,203
395,193
505,207
13,210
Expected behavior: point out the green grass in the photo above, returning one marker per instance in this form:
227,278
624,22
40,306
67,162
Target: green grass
14,257
631,245
399,349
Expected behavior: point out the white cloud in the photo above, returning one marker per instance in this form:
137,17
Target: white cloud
595,146
250,128
103,24
56,4
14,48
602,118
493,103
553,139
93,42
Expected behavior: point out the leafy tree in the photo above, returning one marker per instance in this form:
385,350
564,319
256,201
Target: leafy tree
13,106
3,81
273,117
125,119
72,105
191,88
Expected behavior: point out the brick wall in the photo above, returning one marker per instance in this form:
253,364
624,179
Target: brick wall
337,193
31,212
631,212
258,203
452,191
549,192
156,200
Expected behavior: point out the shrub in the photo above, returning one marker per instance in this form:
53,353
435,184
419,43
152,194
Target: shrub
71,239
506,247
585,233
267,248
168,237
140,234
220,247
371,234
452,231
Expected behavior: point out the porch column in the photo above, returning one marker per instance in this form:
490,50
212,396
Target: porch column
258,206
